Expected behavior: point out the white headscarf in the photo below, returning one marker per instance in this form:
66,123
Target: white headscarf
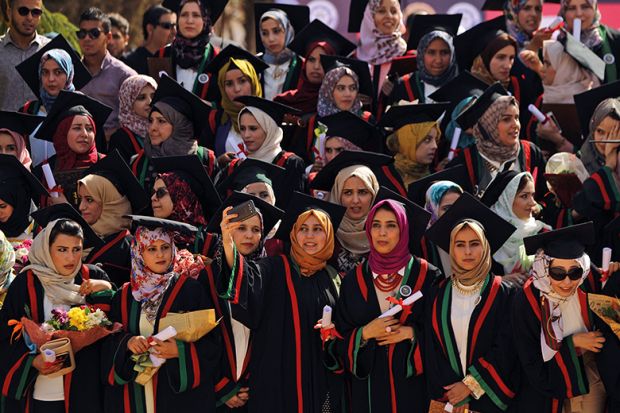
274,134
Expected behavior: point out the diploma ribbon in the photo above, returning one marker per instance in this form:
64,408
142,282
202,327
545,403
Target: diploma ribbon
17,330
57,189
242,150
328,334
406,308
604,276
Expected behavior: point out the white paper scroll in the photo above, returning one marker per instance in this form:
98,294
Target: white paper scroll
455,142
326,320
407,301
49,178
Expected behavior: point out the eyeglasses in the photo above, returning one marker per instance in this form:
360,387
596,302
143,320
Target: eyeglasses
167,25
24,11
160,192
92,33
559,274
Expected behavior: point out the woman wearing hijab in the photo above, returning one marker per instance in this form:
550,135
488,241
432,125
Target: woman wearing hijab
384,353
604,124
135,97
556,337
55,278
14,130
280,299
163,281
7,262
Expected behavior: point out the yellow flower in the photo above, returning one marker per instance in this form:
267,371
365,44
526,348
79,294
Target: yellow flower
77,318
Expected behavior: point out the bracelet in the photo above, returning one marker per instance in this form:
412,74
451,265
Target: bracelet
476,390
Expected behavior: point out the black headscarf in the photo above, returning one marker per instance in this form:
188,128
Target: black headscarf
12,192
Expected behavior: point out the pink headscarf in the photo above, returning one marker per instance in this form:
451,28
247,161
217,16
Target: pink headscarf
22,152
400,255
375,47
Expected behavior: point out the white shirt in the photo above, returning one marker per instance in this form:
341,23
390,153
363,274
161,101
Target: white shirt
428,90
186,77
460,315
273,86
233,141
40,149
241,335
382,296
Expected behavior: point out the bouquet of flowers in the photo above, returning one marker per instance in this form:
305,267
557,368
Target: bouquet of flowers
608,309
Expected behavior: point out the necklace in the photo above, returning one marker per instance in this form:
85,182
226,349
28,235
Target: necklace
388,284
278,72
467,290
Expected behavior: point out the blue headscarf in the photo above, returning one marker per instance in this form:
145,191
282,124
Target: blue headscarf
65,63
465,139
282,19
452,70
435,193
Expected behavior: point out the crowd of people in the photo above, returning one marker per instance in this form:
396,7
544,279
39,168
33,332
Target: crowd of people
418,221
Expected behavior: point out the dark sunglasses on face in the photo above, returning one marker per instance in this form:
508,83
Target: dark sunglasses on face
23,11
167,25
92,33
559,274
159,192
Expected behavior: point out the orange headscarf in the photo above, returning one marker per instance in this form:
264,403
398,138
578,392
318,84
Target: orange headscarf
309,264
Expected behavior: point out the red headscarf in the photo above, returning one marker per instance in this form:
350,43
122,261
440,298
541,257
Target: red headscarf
66,159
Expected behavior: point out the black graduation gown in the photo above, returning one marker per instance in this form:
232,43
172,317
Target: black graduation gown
184,384
126,142
114,257
25,299
545,385
607,363
609,51
491,355
556,214
281,306
390,378
526,86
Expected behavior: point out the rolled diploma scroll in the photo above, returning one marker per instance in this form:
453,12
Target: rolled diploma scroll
455,142
49,356
557,21
49,178
326,320
606,261
542,118
163,335
407,301
577,29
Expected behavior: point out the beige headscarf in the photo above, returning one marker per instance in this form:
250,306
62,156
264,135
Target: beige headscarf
58,288
352,233
470,277
114,205
274,134
570,78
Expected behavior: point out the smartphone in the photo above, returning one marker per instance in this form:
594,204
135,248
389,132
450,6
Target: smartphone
244,211
551,116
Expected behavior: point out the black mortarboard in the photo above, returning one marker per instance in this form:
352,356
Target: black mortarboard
251,171
497,186
192,171
167,224
470,44
459,88
584,56
13,172
494,5
68,104
421,24
317,31
21,123
587,102
402,65
29,68
298,15
300,203
398,116
417,216
356,15
476,109
65,211
271,214
497,230
325,178
114,168
276,111
182,100
215,8
233,52
457,174
356,130
358,66
565,243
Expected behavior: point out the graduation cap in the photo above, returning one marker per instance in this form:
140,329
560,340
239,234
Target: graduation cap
252,171
494,5
184,101
69,104
584,56
565,243
496,229
398,116
167,224
356,15
271,214
356,130
317,31
29,68
233,52
215,8
497,186
276,111
300,203
587,102
476,109
417,216
193,172
421,24
21,123
470,44
114,168
459,88
457,174
13,172
402,65
65,211
358,66
298,15
325,178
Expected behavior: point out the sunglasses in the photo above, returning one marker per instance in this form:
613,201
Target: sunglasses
24,11
167,25
159,192
559,274
92,33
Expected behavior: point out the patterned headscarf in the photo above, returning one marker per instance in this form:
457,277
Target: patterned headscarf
487,135
127,95
7,260
20,143
470,277
187,206
400,255
434,195
189,52
282,19
310,264
65,63
375,47
511,11
231,108
66,159
452,70
181,142
326,105
590,36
